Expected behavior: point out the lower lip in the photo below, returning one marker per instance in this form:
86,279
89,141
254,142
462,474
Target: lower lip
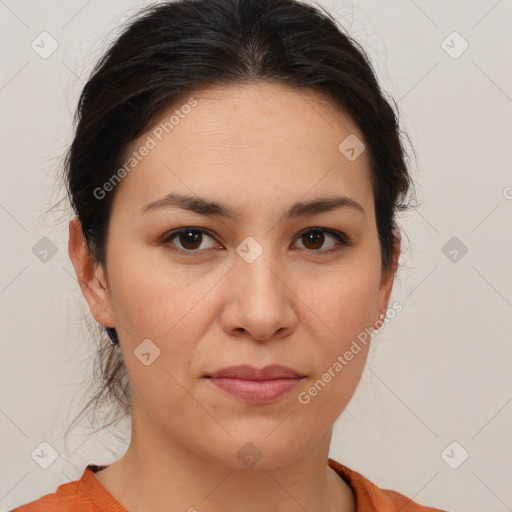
256,391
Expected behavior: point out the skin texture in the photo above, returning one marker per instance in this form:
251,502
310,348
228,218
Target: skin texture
257,148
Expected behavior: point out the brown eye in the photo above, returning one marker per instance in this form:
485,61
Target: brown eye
314,239
190,240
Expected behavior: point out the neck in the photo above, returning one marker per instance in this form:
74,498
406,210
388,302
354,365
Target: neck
149,477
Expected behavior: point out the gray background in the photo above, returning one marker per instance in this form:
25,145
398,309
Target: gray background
439,373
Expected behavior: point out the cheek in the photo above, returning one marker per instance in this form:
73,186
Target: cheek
340,353
152,299
344,301
345,307
152,306
172,309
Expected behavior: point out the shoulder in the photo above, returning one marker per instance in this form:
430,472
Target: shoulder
69,497
370,497
64,499
84,495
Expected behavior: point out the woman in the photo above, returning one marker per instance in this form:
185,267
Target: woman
235,174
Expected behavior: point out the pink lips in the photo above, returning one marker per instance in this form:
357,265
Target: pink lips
256,386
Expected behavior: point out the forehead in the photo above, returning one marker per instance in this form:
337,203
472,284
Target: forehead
259,112
262,138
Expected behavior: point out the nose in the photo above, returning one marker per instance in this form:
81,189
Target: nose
260,302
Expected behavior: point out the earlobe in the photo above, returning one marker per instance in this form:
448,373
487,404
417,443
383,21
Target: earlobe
90,275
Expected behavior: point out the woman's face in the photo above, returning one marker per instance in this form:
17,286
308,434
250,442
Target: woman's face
257,287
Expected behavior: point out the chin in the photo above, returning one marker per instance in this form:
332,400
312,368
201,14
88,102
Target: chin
262,448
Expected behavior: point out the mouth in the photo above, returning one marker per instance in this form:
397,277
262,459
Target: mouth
256,386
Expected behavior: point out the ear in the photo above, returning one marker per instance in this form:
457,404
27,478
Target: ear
91,276
388,278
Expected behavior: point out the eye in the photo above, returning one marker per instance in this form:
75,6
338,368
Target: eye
314,239
190,239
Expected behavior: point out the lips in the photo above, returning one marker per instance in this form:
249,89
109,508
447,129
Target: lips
246,372
256,386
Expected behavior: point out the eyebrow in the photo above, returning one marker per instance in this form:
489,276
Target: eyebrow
213,208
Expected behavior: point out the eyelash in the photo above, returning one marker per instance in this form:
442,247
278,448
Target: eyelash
340,237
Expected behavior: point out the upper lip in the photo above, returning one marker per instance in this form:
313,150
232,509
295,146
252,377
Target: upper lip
273,371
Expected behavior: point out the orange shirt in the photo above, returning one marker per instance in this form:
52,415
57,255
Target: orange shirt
89,495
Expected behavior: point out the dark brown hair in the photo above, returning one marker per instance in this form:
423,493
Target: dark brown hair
174,48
